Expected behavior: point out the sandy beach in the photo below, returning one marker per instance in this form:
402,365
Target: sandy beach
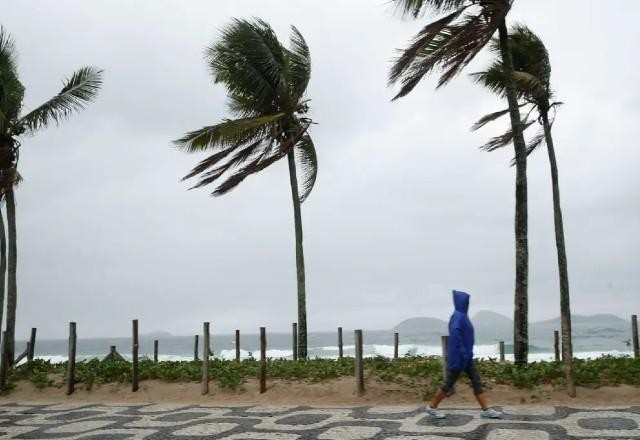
331,392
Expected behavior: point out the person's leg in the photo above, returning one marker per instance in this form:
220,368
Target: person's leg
478,391
439,397
431,408
450,380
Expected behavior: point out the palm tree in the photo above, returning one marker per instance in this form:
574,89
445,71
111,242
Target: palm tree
77,91
448,45
266,84
532,76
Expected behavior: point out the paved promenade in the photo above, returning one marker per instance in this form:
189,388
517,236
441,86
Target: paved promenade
155,422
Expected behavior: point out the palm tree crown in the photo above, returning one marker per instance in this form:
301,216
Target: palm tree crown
532,76
266,84
447,44
78,90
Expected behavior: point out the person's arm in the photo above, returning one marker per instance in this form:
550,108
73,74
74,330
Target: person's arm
458,354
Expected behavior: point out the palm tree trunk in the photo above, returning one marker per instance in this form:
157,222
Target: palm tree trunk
12,285
565,305
521,310
3,265
302,296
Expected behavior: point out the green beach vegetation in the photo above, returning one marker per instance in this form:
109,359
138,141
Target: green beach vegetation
424,374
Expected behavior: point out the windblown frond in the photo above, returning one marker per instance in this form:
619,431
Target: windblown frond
252,167
79,90
505,139
416,8
227,133
448,44
11,90
488,118
299,65
249,61
307,165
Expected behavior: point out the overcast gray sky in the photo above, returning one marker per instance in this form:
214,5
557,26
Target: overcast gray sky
405,207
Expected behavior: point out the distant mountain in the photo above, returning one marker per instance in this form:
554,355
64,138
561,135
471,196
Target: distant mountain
601,319
419,325
493,326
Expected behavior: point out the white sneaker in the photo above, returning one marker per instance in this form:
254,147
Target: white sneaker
434,413
490,413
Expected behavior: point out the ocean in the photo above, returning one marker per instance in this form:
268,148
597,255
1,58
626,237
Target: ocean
589,342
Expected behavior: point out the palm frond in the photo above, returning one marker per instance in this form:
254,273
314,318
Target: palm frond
8,53
11,90
307,160
537,141
504,139
79,90
492,79
256,165
299,65
488,118
228,133
448,44
240,156
416,8
249,61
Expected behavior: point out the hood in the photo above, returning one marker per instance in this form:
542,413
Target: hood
461,301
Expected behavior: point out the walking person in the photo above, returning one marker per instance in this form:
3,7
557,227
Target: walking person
459,359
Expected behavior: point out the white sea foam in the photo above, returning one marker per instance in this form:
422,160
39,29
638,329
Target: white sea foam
480,351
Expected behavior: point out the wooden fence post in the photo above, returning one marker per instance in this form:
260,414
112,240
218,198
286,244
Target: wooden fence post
359,363
340,343
237,345
134,356
501,351
445,351
71,364
32,345
155,350
396,342
205,359
295,340
195,347
4,368
556,345
263,360
634,336
210,351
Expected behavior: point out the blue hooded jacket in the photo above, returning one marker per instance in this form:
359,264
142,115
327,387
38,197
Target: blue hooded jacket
461,335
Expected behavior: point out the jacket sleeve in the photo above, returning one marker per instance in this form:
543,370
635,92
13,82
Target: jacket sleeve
457,353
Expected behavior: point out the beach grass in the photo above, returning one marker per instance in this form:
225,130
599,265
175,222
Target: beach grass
423,374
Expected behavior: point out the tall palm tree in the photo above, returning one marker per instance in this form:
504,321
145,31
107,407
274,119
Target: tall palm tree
532,76
448,45
77,91
266,84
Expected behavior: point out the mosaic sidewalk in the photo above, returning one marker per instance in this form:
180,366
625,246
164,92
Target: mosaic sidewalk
155,422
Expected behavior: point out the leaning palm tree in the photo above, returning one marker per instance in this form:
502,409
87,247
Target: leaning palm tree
532,76
266,84
77,91
448,45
